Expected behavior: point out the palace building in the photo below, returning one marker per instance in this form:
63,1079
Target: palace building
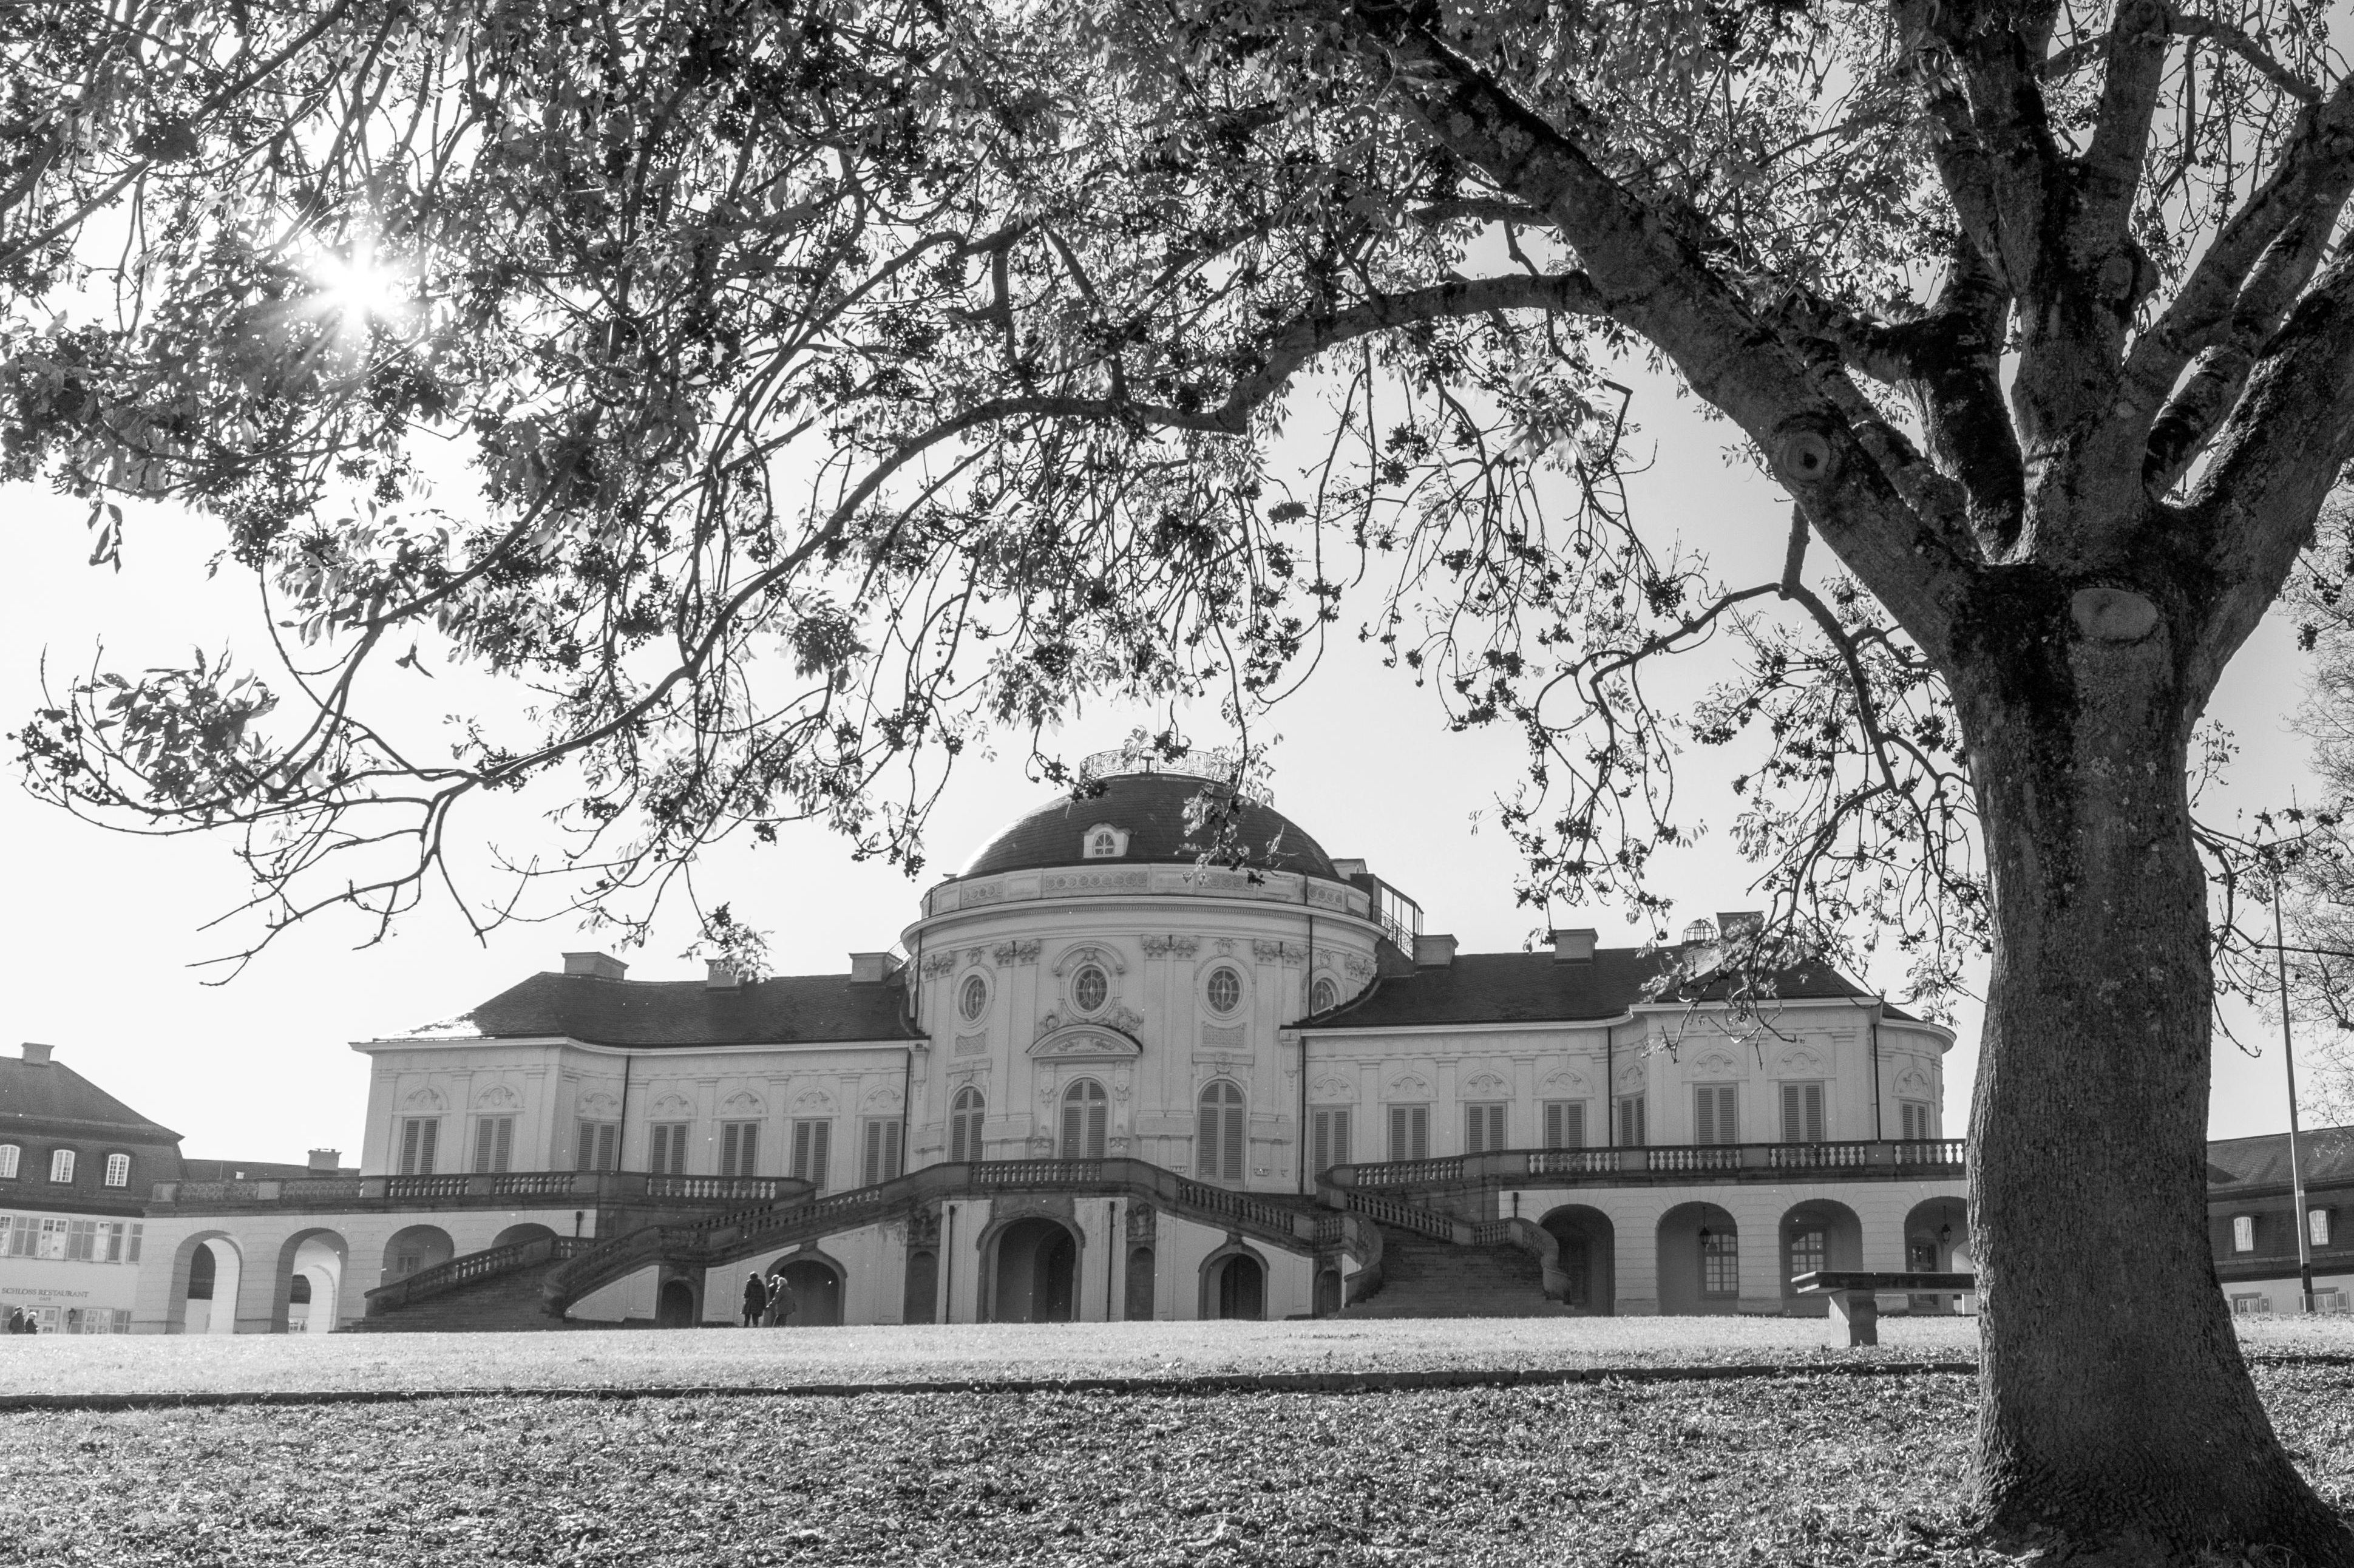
1098,1077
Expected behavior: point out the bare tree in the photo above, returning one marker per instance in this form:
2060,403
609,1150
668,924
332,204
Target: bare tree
846,382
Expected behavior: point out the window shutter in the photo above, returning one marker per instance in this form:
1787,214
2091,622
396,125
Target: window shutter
1234,1150
1814,1101
1475,1128
748,1154
1098,1111
1419,1122
1071,1129
1205,1137
728,1136
1794,1117
890,1150
1572,1120
410,1135
1704,1115
959,1153
1398,1150
429,1146
821,1140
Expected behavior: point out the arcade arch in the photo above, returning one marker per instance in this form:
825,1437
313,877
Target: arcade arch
308,1297
1700,1261
816,1282
1817,1235
525,1232
1589,1256
206,1269
416,1248
1034,1272
1234,1284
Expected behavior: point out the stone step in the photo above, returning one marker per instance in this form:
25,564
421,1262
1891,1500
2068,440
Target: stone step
1425,1277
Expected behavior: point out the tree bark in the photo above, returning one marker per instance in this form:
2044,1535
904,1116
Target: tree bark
2116,1411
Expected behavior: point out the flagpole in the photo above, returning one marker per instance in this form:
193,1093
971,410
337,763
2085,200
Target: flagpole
2288,1062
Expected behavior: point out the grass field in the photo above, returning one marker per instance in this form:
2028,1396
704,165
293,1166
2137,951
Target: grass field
1804,1468
771,1358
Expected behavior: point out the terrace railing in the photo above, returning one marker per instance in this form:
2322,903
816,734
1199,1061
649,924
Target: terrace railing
499,1189
1847,1160
473,1265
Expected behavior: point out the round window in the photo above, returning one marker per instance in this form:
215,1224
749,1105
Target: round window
1225,990
974,996
1089,988
1322,998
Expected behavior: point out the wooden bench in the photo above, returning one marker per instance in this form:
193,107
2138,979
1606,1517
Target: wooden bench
1855,1297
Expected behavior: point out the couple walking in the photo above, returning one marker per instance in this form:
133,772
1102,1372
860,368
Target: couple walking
767,1303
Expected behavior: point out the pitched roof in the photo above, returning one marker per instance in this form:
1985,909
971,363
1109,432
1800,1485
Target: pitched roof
2326,1153
1531,988
787,1010
40,1092
1151,808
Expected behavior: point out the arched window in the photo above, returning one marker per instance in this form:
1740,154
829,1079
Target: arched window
964,1125
1089,988
1086,1111
9,1155
972,996
1719,1261
118,1170
1325,997
1218,1156
61,1165
200,1274
298,1291
1225,992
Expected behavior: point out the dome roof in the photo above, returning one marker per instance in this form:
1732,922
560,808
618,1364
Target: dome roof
1149,808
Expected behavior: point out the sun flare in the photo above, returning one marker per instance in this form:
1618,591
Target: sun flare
359,286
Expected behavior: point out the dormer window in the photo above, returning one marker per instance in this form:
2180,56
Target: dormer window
1104,842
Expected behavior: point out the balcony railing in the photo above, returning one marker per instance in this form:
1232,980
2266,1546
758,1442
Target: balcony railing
498,1189
1866,1160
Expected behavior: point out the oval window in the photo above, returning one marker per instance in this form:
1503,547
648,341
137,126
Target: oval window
973,997
1323,997
1225,990
1089,988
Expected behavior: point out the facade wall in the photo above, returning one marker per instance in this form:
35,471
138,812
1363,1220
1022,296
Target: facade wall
65,1294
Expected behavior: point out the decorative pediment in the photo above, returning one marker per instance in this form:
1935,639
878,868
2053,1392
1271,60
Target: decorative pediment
1485,1086
1333,1087
1633,1075
881,1099
743,1106
1801,1062
672,1107
812,1102
1913,1083
598,1105
497,1097
424,1100
1086,1042
1406,1087
1564,1082
1090,953
1715,1065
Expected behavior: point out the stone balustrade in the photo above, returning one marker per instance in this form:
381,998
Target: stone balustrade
1652,1164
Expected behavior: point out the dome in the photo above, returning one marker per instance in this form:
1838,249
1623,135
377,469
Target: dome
1150,809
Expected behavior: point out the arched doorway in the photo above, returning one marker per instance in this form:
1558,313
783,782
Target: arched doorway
415,1249
674,1305
816,1285
1037,1273
1328,1292
1588,1245
1138,1301
523,1233
921,1301
1936,1240
310,1282
205,1274
1233,1285
1816,1235
1700,1261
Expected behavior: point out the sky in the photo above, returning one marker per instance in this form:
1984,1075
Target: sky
106,933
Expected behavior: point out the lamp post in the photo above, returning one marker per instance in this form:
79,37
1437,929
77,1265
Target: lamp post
2288,1062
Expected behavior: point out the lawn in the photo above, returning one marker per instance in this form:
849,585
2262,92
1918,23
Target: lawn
734,1358
1795,1469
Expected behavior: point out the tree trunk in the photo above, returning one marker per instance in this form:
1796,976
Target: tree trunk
2116,1412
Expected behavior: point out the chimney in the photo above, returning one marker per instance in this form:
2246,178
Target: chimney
1434,952
603,965
872,968
326,1161
718,974
1573,944
37,1053
1735,924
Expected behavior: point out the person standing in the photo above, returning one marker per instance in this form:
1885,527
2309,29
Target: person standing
756,1300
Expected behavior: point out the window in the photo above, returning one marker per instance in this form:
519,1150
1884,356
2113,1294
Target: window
881,1153
81,1241
1802,1113
740,1148
666,1151
1225,992
118,1242
494,1143
2316,1226
1630,1121
1089,989
1220,1144
1085,1109
1483,1129
49,1238
1809,1249
1329,1127
600,1146
1713,1120
1323,997
1409,1132
1916,1116
118,1170
418,1137
298,1291
2244,1232
61,1165
1719,1261
1564,1124
1106,842
812,1151
964,1125
972,996
9,1155
201,1269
